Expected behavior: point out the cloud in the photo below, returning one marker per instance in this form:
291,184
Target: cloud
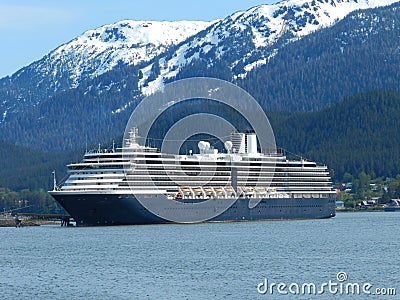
28,16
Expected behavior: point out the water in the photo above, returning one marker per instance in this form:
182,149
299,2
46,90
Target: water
202,261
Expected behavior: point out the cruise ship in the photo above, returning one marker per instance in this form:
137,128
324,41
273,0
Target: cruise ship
137,184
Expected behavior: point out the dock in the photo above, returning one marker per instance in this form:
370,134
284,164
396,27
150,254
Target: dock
33,219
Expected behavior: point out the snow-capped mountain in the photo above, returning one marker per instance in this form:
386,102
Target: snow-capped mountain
92,54
248,39
243,41
123,43
296,55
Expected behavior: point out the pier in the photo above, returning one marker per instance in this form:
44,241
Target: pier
33,219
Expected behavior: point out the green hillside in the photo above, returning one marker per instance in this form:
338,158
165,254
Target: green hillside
360,133
24,168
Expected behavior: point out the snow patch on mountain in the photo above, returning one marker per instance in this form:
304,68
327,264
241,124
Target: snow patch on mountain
123,43
265,24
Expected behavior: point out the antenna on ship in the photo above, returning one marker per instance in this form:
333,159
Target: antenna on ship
131,142
54,181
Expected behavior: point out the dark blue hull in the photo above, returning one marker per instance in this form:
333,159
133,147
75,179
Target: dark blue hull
111,209
392,208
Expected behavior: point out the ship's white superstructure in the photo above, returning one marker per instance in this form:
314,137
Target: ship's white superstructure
241,171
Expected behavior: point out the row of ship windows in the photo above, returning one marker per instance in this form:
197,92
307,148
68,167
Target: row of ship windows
283,206
213,185
227,169
264,174
259,207
228,174
143,180
112,165
215,174
227,178
88,172
239,183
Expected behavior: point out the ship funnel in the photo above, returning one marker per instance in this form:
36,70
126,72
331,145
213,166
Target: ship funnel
131,142
238,142
251,143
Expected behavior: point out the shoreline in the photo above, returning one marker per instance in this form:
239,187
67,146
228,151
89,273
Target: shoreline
26,223
360,210
40,222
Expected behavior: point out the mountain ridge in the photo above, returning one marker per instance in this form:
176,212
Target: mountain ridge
306,74
257,30
90,55
244,40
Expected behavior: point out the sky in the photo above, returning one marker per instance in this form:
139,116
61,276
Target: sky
29,29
